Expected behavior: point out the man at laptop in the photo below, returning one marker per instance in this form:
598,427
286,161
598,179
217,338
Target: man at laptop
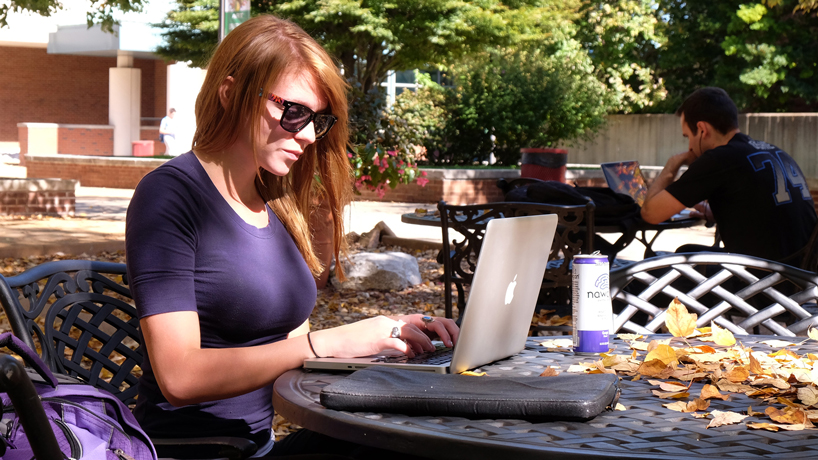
754,191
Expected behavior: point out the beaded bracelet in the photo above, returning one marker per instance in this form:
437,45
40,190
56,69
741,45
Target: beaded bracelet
309,341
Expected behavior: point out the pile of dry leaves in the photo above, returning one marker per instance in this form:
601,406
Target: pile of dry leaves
782,378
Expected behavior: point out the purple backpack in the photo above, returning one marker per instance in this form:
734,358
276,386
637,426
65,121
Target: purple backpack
89,423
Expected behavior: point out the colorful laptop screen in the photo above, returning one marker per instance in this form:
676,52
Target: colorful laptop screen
626,177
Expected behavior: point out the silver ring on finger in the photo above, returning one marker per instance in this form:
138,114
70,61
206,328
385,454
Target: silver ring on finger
395,333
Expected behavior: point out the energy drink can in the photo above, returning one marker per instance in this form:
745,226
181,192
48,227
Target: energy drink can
591,302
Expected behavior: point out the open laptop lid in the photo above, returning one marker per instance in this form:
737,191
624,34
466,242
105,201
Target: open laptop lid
504,290
501,303
626,177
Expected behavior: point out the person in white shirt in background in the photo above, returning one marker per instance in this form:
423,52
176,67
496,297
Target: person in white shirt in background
167,132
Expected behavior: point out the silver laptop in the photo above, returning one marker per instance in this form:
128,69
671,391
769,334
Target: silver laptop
500,306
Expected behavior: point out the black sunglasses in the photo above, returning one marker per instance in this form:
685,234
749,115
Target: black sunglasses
297,116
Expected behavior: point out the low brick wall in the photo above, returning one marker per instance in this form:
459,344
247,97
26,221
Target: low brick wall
27,197
151,133
469,186
91,171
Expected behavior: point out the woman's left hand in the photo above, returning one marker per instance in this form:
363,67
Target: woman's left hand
444,329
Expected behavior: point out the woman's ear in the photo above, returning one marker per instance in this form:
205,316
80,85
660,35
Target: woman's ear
224,91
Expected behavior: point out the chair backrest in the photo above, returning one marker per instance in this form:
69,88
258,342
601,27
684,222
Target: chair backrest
741,293
459,257
79,316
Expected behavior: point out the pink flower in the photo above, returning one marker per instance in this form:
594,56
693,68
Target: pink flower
423,173
349,155
375,158
401,163
381,191
422,181
381,168
385,163
401,171
392,153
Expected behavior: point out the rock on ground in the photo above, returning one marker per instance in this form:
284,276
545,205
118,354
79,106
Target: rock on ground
384,271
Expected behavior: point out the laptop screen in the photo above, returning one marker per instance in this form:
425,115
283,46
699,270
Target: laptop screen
626,177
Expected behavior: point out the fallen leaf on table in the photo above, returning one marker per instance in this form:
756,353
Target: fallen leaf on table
550,372
619,406
789,416
678,406
637,345
473,374
664,353
655,368
557,343
725,418
669,386
702,415
808,396
806,376
722,337
776,343
781,384
628,337
711,392
753,413
690,406
737,374
671,394
755,366
600,368
679,322
776,427
812,333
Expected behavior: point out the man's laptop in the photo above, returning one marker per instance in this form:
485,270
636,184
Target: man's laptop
504,290
626,177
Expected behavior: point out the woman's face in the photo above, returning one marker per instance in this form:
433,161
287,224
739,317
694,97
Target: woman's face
278,149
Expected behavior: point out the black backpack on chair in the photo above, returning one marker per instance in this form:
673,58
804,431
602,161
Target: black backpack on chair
611,208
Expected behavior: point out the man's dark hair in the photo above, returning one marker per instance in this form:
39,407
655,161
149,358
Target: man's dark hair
172,110
712,105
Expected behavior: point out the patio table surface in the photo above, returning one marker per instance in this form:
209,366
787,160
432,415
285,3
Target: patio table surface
645,429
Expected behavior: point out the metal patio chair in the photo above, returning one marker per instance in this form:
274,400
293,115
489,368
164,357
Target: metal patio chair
744,294
79,316
459,256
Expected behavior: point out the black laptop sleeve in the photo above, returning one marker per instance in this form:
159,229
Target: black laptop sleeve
569,397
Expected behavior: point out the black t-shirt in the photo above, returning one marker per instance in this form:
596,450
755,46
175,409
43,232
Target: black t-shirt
758,194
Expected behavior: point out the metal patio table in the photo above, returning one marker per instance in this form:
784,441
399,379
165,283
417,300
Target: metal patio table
637,231
644,430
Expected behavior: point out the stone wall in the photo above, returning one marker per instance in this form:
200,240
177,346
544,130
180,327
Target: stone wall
27,197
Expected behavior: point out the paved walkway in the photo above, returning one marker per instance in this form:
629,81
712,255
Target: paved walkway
99,225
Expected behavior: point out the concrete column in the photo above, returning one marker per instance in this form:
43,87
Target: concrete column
184,84
124,103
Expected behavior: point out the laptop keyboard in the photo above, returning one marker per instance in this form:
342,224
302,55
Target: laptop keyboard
440,356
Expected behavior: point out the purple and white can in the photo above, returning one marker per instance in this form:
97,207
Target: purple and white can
591,301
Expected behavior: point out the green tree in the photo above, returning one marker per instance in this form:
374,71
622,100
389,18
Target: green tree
191,31
512,98
621,37
762,52
100,11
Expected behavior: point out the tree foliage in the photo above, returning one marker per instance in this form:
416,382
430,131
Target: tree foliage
511,98
191,32
761,52
100,12
622,37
